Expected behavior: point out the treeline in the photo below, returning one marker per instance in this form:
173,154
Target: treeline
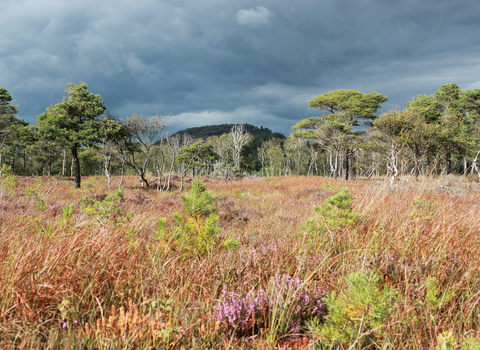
437,134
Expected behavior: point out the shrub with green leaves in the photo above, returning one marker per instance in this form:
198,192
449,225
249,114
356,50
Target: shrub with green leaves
356,316
196,231
334,213
424,209
436,297
106,209
447,341
8,181
199,202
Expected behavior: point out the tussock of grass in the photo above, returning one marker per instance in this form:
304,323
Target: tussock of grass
77,280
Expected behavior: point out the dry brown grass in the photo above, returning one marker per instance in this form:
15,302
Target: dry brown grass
114,286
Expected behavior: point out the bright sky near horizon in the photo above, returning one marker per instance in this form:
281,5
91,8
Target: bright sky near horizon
217,61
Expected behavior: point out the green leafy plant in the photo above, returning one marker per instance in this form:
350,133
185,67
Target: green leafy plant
424,209
30,192
196,231
435,297
471,343
67,212
357,315
41,206
106,209
446,341
334,213
7,179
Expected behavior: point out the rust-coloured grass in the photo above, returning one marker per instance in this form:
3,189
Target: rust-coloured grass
84,282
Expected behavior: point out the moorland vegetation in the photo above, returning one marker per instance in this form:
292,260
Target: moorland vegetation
255,263
379,252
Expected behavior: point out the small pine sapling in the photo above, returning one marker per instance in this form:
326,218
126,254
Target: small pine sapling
196,230
357,315
106,209
335,213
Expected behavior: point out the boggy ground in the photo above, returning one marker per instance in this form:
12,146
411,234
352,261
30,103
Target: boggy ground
80,270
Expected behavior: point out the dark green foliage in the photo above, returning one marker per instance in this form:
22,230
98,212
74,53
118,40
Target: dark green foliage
452,117
73,122
8,123
197,154
336,132
203,132
5,107
358,106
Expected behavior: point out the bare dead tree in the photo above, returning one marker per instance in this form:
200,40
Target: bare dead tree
239,138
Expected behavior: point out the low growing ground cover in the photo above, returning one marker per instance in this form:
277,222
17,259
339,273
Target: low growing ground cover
256,263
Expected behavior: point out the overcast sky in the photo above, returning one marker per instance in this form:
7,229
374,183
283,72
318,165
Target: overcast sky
217,61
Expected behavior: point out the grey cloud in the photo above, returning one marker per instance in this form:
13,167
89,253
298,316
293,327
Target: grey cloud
257,16
199,61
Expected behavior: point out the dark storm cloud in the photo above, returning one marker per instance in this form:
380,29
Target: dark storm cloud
245,61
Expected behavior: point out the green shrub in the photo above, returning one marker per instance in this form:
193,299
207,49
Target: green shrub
106,209
7,180
356,316
334,213
196,231
424,209
447,341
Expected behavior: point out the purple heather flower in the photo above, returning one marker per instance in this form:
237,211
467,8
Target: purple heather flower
247,315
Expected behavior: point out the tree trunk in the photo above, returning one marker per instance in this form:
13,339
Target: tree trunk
448,160
465,166
394,163
76,162
143,180
167,187
346,165
106,166
49,162
24,161
182,175
416,165
333,161
159,177
474,165
122,174
64,161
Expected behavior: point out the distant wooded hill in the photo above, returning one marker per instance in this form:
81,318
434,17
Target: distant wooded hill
204,132
260,135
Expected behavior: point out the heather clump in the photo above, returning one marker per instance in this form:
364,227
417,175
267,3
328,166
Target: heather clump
282,309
